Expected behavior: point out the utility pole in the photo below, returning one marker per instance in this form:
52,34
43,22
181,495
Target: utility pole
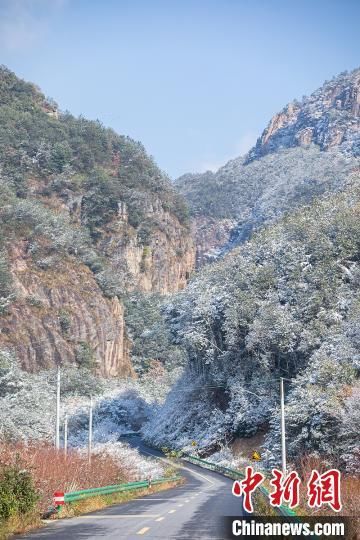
283,441
57,428
65,435
90,430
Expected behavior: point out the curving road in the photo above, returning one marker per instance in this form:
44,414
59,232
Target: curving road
191,511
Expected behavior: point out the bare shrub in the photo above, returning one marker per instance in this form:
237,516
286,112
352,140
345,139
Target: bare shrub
52,471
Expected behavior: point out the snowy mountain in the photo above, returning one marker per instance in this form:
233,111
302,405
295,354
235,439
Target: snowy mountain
284,304
309,148
85,217
283,300
329,118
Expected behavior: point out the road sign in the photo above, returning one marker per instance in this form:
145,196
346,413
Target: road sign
59,498
256,456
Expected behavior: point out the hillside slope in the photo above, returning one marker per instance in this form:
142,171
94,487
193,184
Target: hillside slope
284,304
308,149
85,217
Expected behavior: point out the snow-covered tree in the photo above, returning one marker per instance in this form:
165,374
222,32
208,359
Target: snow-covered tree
285,304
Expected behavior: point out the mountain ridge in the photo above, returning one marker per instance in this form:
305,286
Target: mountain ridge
83,212
315,135
329,117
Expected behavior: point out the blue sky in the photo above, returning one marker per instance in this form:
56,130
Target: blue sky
196,81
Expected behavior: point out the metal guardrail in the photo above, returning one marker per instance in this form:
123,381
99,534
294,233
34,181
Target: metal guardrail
118,488
234,474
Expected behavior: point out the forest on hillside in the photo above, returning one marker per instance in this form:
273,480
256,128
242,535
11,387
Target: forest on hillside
179,269
284,304
84,205
97,276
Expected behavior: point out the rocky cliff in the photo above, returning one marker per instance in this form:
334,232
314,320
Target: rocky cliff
61,316
158,255
308,149
330,117
163,264
210,235
85,217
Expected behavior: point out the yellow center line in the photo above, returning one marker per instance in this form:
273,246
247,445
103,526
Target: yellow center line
143,530
171,511
180,505
159,519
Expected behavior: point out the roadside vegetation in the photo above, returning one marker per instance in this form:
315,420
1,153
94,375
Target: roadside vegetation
96,503
31,473
31,469
285,304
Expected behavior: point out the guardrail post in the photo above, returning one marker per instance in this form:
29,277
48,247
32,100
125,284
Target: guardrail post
59,500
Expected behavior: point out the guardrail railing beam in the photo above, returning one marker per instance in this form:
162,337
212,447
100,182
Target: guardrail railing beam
117,488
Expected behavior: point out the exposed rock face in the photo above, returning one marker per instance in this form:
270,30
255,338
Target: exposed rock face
329,117
162,264
210,236
59,310
33,326
86,216
308,149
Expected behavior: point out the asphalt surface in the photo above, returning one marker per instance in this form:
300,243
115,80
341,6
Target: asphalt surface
191,511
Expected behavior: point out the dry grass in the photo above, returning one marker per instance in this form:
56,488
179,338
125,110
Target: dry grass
19,525
97,503
350,490
51,471
262,505
350,494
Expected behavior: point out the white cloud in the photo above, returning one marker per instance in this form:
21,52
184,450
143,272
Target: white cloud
210,165
240,148
245,142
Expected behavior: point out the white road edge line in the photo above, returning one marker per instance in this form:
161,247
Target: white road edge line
117,516
179,466
198,474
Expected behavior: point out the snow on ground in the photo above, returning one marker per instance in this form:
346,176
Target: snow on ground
138,466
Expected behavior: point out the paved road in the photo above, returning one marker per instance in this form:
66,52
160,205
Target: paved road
191,511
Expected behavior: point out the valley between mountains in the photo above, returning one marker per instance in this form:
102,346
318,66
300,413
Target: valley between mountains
177,305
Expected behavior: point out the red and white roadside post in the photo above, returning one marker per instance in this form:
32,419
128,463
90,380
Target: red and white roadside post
59,499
